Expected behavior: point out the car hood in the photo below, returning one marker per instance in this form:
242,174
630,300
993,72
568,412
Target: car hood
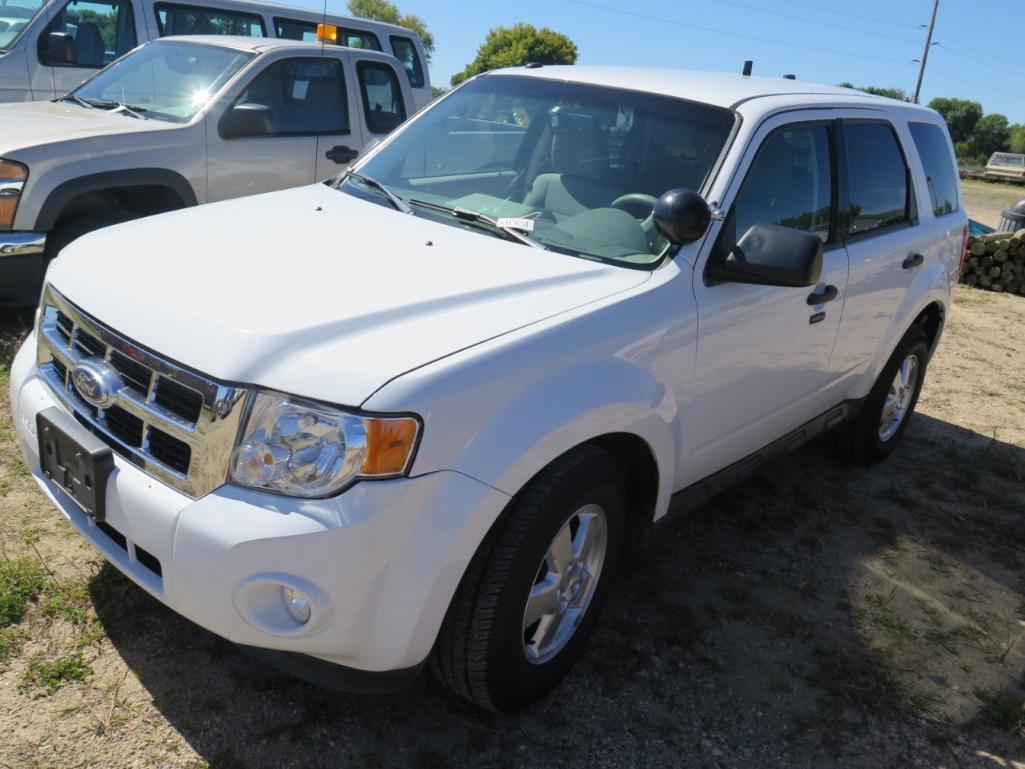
35,123
317,293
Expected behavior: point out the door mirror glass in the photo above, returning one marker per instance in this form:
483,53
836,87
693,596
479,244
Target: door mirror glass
250,120
61,47
770,255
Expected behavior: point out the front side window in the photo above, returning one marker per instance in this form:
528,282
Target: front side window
382,96
877,178
584,163
405,52
938,162
165,80
102,31
173,19
790,183
305,97
15,16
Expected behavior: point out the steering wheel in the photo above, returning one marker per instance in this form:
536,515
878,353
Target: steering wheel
637,204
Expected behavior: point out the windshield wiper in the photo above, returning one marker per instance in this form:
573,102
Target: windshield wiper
467,215
395,200
116,106
77,99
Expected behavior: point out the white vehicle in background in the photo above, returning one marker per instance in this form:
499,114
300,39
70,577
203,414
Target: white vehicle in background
417,414
48,47
179,122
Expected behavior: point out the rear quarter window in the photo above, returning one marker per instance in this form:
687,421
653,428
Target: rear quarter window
934,150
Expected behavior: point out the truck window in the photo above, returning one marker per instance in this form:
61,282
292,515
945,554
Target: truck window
306,97
14,18
382,96
293,29
790,183
405,51
174,19
878,178
934,151
102,31
354,38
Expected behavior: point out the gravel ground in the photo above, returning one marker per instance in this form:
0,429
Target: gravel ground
817,616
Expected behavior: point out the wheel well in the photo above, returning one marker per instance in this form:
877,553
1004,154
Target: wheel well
641,474
931,319
139,200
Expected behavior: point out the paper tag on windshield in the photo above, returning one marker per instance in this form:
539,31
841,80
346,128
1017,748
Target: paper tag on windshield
527,225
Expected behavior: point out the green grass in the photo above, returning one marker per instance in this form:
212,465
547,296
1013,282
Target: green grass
1003,710
46,677
21,581
10,644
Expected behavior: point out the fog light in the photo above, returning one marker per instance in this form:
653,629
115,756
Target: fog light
297,604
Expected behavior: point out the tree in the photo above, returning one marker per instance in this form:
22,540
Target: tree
891,93
961,115
382,10
518,45
992,134
1017,143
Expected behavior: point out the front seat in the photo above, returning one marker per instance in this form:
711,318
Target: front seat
89,44
322,109
580,182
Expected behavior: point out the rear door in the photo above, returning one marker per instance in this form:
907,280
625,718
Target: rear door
305,97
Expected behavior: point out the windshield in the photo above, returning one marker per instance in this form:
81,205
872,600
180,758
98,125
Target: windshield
15,15
581,164
165,80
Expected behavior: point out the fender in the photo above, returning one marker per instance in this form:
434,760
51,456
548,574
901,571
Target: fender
64,193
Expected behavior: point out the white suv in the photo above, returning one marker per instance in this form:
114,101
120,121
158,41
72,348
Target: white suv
416,414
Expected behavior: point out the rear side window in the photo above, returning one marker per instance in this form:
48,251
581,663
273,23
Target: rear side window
405,51
173,19
290,29
306,97
790,183
354,38
934,150
382,96
102,31
877,178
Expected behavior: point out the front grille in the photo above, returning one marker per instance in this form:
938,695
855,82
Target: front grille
177,425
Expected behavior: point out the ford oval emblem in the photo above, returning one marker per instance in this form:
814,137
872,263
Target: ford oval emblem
96,382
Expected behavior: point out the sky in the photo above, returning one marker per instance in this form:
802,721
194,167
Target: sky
871,42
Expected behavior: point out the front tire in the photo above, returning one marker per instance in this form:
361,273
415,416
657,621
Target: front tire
532,593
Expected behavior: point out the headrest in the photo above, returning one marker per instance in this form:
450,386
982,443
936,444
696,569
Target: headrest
580,153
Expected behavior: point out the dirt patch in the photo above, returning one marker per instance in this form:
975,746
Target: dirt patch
985,200
819,615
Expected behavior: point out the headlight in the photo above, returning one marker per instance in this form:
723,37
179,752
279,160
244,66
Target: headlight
12,180
304,449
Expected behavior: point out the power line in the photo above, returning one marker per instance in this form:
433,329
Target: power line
718,31
855,15
1018,72
950,46
978,84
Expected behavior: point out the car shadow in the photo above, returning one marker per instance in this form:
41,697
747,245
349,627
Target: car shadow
817,615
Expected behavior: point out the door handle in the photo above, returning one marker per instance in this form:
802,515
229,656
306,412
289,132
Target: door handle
341,154
827,294
914,260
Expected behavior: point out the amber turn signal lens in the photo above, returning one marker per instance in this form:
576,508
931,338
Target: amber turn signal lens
12,172
327,33
390,444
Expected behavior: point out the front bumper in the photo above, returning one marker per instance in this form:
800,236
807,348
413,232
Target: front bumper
379,563
22,265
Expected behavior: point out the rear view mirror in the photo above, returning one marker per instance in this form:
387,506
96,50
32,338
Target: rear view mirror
770,255
61,49
682,216
248,120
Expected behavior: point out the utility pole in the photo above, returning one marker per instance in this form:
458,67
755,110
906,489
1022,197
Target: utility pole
925,53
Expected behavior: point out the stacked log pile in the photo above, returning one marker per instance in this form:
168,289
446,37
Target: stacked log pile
996,262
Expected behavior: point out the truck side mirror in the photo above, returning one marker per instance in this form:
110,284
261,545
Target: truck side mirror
61,49
248,120
771,255
682,216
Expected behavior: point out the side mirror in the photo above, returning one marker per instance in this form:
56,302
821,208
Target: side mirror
248,120
61,49
682,216
770,255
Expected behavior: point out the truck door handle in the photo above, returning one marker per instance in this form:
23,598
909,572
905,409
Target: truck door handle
827,294
341,154
914,260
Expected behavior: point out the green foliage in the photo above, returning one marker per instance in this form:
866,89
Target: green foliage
991,134
891,93
1017,143
961,115
437,92
51,676
10,644
518,45
382,10
21,580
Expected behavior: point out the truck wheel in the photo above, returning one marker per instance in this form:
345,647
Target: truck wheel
72,230
888,409
532,593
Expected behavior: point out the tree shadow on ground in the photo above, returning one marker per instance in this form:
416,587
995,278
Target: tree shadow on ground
818,615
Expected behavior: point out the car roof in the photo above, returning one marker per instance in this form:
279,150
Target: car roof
257,44
723,89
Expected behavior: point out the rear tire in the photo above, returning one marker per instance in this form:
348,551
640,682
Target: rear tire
870,438
490,649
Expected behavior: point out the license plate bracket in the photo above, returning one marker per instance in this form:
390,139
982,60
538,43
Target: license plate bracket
75,459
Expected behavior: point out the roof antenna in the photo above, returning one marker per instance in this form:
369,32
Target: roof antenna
748,66
790,77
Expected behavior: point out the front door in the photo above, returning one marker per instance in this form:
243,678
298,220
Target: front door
763,360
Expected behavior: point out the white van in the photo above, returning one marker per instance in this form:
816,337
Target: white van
102,30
